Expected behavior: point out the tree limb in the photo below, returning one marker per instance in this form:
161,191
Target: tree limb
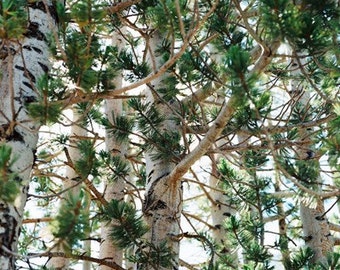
82,257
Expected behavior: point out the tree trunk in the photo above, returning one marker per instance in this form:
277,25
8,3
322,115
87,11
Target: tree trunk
221,208
314,222
23,63
163,200
70,184
113,190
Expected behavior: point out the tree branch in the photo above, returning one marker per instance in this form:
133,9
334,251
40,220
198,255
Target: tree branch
82,257
222,119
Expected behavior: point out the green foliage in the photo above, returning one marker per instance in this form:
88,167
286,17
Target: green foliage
108,57
90,113
333,262
127,228
87,14
164,16
9,181
247,232
251,195
217,21
117,167
44,110
168,91
72,221
141,174
157,256
81,52
300,260
218,63
42,184
137,70
254,159
87,163
332,141
307,25
120,128
149,117
151,121
237,61
13,19
167,145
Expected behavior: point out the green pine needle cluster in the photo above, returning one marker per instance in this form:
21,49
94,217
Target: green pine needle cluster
71,223
43,110
117,167
88,162
13,18
127,228
9,183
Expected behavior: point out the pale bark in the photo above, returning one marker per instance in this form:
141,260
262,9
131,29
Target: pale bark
22,64
313,217
113,190
221,205
221,209
163,199
70,183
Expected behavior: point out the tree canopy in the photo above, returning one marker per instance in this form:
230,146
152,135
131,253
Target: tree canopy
170,134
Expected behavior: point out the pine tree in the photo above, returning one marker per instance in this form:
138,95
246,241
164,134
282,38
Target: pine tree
114,186
206,104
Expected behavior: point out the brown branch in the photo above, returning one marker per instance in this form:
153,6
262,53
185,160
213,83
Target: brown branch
216,129
334,227
37,220
187,215
118,7
336,241
95,191
187,265
82,257
80,96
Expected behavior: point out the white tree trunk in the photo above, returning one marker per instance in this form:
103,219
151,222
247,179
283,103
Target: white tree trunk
22,64
112,190
70,183
313,217
163,200
221,208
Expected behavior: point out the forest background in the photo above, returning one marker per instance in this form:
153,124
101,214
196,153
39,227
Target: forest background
135,132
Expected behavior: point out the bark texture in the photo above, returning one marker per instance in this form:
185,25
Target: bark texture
221,208
71,184
22,64
113,190
313,217
163,199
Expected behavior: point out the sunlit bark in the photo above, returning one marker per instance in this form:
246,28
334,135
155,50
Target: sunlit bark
163,199
221,209
70,183
113,190
313,217
22,65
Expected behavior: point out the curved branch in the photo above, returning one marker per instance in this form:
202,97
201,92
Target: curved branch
216,129
82,257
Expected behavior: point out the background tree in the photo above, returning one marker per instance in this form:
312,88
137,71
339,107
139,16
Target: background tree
252,82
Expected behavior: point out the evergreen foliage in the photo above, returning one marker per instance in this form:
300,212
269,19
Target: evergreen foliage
246,92
71,230
9,187
43,110
127,228
13,19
